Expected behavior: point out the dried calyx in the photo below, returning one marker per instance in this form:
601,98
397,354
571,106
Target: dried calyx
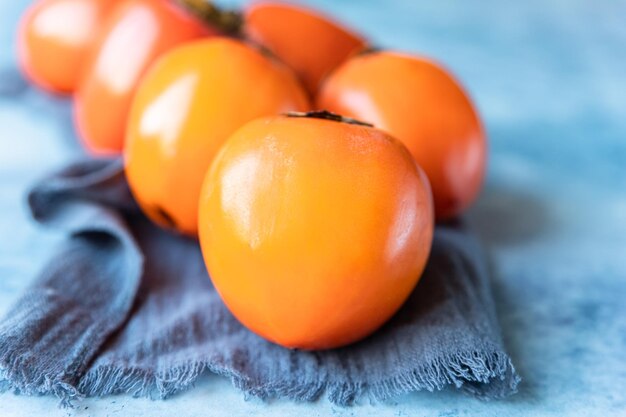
229,22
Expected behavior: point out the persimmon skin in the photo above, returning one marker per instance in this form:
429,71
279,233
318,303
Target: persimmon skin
308,42
314,232
421,104
54,37
185,109
134,36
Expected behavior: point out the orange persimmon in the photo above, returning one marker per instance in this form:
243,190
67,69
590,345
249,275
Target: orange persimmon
314,231
136,33
421,104
54,37
310,43
185,108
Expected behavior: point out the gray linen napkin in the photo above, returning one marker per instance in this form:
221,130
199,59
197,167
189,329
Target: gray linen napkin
125,307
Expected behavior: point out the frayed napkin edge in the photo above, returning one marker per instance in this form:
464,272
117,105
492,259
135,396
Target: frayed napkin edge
463,370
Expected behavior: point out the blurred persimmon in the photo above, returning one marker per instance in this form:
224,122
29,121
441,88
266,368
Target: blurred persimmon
54,38
314,231
310,43
136,33
421,104
186,107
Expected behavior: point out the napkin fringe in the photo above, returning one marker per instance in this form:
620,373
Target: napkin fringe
464,369
13,379
108,380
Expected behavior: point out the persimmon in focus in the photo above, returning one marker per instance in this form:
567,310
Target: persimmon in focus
314,231
54,38
186,107
421,104
134,36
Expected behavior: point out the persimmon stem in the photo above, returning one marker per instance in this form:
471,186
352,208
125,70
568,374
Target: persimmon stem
326,115
230,22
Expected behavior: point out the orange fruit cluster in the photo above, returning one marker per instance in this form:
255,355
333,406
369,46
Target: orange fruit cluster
311,168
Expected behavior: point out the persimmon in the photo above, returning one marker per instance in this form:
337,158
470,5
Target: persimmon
133,37
314,231
187,105
54,37
309,42
421,104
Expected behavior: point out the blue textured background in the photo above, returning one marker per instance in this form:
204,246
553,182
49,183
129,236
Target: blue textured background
550,80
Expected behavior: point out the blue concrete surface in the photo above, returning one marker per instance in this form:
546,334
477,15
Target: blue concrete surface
550,80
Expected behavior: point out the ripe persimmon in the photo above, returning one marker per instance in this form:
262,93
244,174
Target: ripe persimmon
186,107
310,43
136,33
421,104
314,231
54,37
